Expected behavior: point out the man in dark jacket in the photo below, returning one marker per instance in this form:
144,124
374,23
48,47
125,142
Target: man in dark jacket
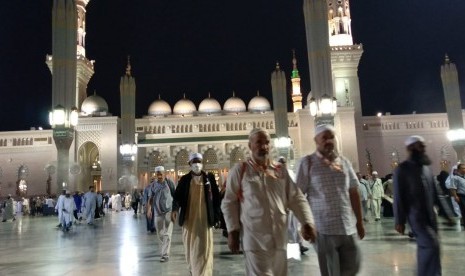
197,200
414,196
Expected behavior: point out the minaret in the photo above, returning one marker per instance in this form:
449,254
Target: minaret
279,91
63,65
295,80
319,59
127,89
450,84
84,67
339,23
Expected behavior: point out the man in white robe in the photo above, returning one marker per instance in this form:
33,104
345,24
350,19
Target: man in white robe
67,207
90,203
59,200
8,209
116,203
256,203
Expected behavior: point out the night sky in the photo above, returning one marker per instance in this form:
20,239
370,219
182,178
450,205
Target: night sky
197,47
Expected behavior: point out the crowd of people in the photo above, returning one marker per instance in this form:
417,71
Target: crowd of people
263,206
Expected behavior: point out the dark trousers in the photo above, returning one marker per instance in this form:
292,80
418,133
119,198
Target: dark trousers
428,252
134,206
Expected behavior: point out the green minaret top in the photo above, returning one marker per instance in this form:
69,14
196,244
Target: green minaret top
295,72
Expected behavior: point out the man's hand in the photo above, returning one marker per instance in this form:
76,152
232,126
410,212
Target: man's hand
400,228
360,230
457,199
233,241
308,232
174,216
149,213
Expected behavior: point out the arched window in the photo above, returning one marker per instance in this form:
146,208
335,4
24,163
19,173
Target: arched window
210,159
237,155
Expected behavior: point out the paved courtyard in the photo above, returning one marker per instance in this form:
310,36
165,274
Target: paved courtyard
119,245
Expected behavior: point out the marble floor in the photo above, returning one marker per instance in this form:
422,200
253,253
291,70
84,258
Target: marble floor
119,245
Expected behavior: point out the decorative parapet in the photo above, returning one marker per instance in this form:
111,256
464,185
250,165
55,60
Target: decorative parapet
405,122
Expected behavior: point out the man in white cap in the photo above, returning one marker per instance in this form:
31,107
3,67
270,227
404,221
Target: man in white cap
197,199
331,186
161,201
414,196
58,210
377,194
67,207
255,207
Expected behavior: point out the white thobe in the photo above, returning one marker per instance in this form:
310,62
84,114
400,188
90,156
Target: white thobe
59,201
90,202
262,215
67,206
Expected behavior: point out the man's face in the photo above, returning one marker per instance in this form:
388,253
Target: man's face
325,142
375,176
418,153
160,176
259,145
461,169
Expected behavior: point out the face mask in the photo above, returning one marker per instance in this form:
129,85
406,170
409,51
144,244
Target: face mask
196,167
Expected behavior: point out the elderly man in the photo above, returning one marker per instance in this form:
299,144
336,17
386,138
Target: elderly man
258,195
414,196
377,194
161,201
197,196
331,186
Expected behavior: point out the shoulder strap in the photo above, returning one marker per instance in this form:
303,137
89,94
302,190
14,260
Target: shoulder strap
240,196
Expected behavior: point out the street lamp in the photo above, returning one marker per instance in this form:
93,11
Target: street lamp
323,109
457,139
128,153
283,144
63,123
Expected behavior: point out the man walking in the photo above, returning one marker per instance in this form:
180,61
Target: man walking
258,196
161,198
90,203
331,186
377,193
197,196
414,196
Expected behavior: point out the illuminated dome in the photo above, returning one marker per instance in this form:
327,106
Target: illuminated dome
209,106
259,104
159,108
94,105
184,107
234,105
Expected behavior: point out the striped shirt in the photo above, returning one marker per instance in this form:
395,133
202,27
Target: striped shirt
327,191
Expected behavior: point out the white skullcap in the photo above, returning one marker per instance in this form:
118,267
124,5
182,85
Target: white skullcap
413,139
9,195
322,128
374,172
68,192
159,169
195,155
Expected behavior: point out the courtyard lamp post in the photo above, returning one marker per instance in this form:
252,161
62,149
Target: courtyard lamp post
457,139
283,145
128,154
63,122
323,109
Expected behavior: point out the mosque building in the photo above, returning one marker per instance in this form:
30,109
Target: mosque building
166,135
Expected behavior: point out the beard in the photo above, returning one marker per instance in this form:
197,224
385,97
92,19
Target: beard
420,158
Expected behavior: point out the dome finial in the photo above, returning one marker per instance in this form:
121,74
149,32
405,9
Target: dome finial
128,67
208,94
95,92
258,92
183,95
277,66
234,93
159,96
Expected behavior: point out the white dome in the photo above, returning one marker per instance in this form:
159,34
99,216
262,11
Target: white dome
184,107
259,104
94,105
209,105
234,105
159,108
